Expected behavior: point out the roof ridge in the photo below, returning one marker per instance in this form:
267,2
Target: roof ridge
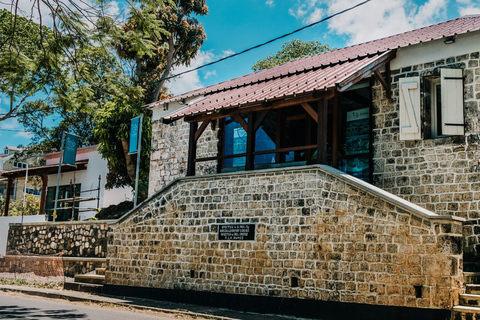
333,57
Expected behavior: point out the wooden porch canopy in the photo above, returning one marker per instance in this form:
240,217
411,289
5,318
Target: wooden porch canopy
304,87
43,172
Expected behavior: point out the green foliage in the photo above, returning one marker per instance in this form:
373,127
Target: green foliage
292,50
158,36
108,71
29,60
113,131
31,208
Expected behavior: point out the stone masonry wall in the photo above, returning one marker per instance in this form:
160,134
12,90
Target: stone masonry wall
318,236
168,159
441,174
71,239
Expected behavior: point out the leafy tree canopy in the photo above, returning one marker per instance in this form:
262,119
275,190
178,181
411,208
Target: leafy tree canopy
97,73
292,50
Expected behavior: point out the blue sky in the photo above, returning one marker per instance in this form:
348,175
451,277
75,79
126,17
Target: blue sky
234,25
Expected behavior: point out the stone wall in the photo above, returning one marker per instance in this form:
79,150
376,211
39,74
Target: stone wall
168,159
71,239
441,174
319,235
51,265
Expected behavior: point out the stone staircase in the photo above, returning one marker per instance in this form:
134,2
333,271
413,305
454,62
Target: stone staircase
89,282
469,302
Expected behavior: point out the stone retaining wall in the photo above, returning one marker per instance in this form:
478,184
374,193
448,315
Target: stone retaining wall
71,239
318,235
49,266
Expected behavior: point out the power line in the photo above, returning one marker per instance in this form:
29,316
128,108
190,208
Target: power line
14,130
269,41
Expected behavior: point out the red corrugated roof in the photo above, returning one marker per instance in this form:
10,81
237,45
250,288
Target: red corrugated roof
308,74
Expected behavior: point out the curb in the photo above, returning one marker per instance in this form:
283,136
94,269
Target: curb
71,297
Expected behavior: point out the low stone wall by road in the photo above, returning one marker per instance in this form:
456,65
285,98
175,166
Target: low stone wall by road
309,232
71,239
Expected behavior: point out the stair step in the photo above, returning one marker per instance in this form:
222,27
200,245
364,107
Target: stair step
472,288
83,287
471,277
90,278
470,300
101,271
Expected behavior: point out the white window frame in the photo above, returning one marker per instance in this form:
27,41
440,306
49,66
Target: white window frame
434,107
447,114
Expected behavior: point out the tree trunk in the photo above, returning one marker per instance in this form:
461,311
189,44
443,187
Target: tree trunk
128,160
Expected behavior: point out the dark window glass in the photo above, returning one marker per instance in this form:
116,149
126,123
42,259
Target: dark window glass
265,139
355,133
66,191
235,143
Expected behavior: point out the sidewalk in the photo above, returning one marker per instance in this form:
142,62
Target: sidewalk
194,311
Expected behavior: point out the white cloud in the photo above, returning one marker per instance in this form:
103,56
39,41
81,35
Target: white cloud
9,124
23,135
227,53
469,11
373,20
468,7
305,9
270,3
113,9
29,9
191,80
315,16
210,74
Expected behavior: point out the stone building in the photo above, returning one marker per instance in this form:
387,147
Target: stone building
347,178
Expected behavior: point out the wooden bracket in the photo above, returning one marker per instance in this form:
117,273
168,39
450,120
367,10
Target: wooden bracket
200,130
385,81
310,111
260,119
241,121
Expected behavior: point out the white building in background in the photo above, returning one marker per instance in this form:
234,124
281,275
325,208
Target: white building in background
87,183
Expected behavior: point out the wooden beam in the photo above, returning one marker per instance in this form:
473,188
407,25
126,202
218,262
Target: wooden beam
241,121
260,119
231,112
279,136
310,111
200,130
384,83
367,70
7,197
336,129
322,123
327,95
250,159
238,155
43,196
192,149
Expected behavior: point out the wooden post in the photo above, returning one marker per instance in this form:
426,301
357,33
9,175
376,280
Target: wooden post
280,156
7,197
250,161
335,128
322,131
43,196
192,149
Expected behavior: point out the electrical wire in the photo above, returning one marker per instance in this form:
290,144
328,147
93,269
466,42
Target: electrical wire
13,130
269,41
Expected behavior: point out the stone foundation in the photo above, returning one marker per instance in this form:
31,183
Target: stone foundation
319,235
71,239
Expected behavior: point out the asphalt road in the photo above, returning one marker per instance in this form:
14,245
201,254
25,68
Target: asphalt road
14,306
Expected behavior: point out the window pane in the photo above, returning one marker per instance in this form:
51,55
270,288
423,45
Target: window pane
266,136
235,143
